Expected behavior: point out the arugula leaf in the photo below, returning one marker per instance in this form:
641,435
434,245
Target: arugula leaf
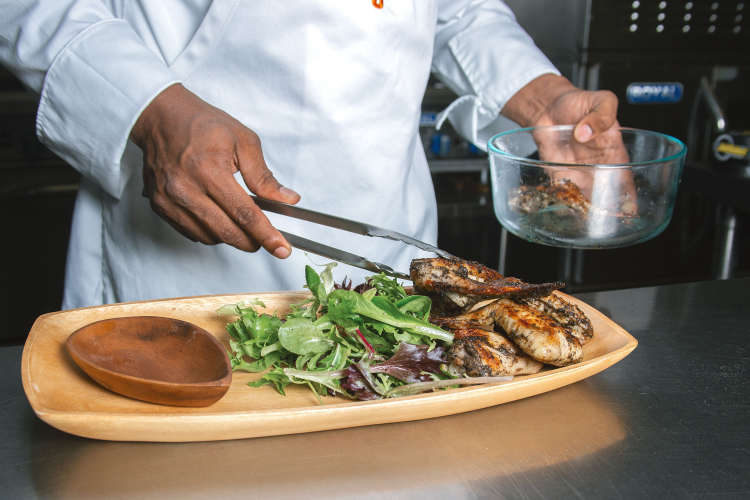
387,287
276,377
344,305
313,283
320,284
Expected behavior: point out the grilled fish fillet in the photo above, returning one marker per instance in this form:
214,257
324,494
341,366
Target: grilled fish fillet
484,353
532,199
537,334
465,283
568,315
547,328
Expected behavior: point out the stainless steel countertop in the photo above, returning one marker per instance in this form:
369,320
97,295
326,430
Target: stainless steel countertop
669,421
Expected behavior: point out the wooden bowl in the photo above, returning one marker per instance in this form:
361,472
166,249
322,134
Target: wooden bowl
155,359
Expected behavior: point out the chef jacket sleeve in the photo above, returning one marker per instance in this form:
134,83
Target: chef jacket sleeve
484,56
94,75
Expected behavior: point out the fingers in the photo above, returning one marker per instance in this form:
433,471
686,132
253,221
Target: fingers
234,201
256,173
181,220
194,213
191,151
601,117
217,220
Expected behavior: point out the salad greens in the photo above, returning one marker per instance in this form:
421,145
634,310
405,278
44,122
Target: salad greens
366,343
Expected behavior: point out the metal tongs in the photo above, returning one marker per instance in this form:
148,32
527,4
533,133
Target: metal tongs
345,225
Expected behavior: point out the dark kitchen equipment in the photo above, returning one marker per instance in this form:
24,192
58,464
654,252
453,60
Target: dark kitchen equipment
677,67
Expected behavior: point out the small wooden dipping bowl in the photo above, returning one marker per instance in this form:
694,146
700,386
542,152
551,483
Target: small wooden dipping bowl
155,359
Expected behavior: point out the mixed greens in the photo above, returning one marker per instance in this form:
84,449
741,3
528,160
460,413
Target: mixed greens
374,341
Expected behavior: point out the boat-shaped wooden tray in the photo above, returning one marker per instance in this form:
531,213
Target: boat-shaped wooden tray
64,397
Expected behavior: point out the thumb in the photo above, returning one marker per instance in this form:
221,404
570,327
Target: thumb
601,117
258,176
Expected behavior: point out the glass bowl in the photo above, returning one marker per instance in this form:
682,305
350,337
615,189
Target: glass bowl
616,190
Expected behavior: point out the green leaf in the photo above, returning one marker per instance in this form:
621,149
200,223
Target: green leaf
415,305
276,378
313,362
239,307
328,379
270,348
302,336
378,343
345,304
313,283
387,287
258,365
337,359
320,284
326,278
236,332
407,337
300,362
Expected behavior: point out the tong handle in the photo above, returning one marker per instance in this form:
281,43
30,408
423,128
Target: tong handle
345,225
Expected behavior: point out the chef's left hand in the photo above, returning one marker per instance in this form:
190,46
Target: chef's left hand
553,100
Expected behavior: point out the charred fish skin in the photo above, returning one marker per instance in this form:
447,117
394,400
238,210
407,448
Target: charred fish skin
538,335
465,282
570,316
478,352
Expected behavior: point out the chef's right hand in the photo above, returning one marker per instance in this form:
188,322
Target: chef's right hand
190,152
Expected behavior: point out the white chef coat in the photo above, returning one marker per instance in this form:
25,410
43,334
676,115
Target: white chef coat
333,89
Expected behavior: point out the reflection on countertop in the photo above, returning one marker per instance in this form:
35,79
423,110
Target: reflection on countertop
416,458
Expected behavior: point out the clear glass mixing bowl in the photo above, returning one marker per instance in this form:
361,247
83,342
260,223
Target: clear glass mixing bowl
615,191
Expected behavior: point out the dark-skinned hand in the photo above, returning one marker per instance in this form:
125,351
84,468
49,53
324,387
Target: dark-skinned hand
190,152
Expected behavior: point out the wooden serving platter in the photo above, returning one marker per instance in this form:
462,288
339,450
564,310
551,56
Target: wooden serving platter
64,397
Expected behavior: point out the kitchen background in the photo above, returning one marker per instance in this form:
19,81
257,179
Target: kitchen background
699,48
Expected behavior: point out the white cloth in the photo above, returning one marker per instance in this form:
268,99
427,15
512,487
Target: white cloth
333,89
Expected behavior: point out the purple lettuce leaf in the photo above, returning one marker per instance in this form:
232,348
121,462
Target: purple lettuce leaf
410,363
357,385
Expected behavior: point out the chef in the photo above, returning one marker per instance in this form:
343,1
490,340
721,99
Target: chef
173,110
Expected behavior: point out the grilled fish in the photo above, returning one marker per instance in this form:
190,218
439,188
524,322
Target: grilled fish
465,283
548,329
537,334
532,199
568,315
483,353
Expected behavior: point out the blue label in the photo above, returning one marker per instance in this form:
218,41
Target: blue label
427,119
654,92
